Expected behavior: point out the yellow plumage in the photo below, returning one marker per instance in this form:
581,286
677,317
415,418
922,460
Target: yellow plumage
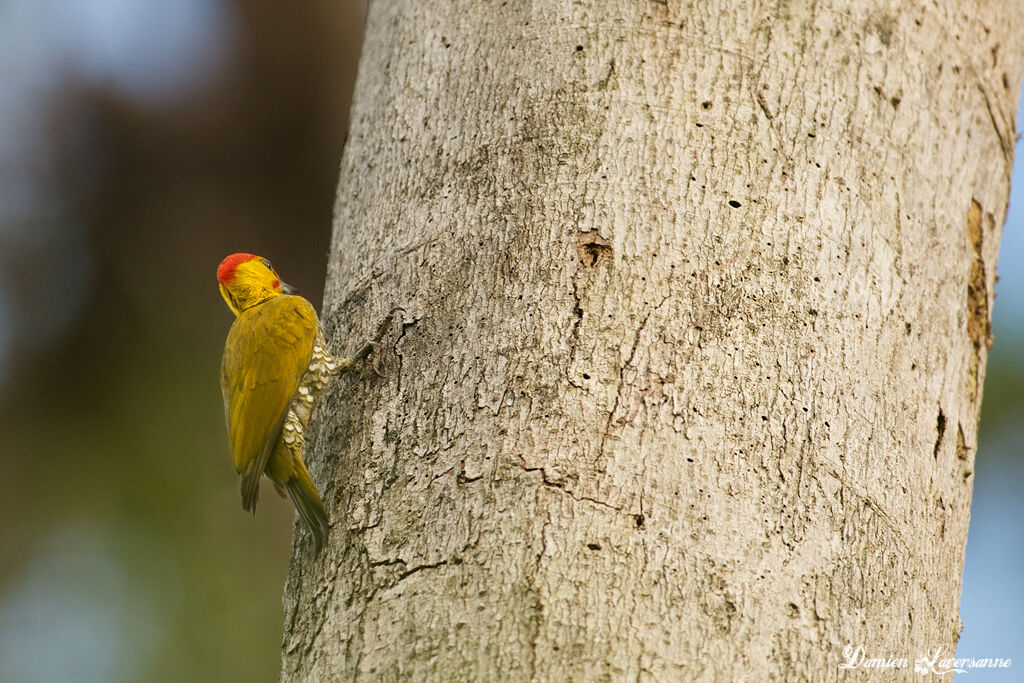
268,385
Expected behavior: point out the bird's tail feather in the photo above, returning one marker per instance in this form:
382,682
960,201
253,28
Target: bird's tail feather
311,508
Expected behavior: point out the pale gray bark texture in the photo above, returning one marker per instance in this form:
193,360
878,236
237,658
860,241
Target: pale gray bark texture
697,310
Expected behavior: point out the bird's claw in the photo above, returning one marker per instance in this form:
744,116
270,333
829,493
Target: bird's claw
375,364
382,328
373,344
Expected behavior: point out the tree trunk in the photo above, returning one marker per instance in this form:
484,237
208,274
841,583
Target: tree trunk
697,311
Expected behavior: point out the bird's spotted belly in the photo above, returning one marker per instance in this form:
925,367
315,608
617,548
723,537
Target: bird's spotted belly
322,367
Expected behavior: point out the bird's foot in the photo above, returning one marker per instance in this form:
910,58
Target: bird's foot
371,345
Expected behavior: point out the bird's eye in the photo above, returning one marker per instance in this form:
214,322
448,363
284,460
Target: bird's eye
267,264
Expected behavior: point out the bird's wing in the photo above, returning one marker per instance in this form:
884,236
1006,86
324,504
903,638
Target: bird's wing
267,351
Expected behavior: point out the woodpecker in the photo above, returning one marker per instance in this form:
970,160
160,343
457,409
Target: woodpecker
274,369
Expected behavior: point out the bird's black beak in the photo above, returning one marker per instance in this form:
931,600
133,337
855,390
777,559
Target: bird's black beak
288,289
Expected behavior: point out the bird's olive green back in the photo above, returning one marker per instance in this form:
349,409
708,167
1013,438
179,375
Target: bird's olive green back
267,351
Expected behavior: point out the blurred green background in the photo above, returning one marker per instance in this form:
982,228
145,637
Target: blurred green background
140,142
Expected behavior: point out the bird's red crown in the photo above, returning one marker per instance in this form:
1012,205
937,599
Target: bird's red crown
226,270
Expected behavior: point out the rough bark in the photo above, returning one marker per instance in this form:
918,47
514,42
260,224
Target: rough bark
697,311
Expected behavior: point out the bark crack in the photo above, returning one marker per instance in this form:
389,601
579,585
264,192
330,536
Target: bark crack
622,382
1005,141
397,561
421,567
574,335
940,428
560,486
979,329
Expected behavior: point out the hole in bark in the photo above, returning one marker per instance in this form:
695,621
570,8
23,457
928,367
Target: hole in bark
579,48
593,249
594,252
734,204
594,546
705,105
586,376
639,520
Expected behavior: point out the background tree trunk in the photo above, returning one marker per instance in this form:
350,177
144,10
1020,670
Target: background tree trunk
697,316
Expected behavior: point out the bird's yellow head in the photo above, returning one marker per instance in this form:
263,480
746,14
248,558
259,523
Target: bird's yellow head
246,280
